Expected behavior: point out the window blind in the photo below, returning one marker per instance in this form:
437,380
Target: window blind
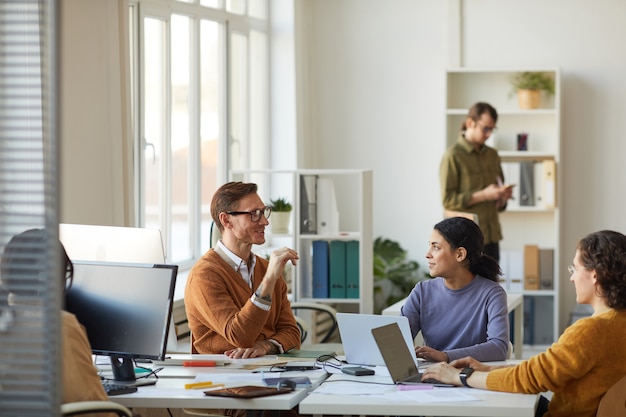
30,382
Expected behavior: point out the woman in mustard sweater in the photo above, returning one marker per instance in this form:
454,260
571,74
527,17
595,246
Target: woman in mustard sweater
588,358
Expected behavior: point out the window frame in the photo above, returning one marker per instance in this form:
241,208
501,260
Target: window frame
233,25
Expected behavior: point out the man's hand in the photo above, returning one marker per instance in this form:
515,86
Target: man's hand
276,266
278,260
258,349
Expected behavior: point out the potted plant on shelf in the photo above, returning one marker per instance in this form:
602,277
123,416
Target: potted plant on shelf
281,215
528,85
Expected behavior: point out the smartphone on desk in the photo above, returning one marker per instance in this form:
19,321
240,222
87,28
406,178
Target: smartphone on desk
357,370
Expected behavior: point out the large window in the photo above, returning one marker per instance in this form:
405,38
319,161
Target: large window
200,108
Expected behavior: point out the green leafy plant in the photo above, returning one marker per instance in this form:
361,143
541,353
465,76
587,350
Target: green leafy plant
280,204
528,80
394,274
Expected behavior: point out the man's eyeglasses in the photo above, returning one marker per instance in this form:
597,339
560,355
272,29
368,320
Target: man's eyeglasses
255,215
488,129
571,269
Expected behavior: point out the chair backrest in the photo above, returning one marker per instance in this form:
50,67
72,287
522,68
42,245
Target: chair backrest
214,234
321,318
613,403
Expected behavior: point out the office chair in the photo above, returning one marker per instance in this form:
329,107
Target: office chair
613,402
214,234
94,407
329,319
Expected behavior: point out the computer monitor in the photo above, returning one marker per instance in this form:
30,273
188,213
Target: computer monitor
126,310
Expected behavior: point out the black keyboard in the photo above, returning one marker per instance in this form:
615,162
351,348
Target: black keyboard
117,389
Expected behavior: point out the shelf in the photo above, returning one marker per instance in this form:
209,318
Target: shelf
521,225
341,205
526,156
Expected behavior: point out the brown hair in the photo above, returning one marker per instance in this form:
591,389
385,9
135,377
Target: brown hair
227,196
605,252
478,110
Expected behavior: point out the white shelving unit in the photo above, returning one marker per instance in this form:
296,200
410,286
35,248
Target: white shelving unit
353,193
522,225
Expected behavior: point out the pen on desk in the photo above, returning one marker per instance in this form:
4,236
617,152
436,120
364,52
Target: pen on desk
199,363
205,384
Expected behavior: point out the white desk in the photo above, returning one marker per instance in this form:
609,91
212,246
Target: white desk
169,391
515,304
487,403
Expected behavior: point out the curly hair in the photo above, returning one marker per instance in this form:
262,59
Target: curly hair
605,252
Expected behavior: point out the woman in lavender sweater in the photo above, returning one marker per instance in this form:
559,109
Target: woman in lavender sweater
462,311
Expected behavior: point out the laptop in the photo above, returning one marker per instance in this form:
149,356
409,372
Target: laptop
400,360
358,343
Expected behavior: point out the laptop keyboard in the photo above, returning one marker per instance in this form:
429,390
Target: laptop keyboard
116,389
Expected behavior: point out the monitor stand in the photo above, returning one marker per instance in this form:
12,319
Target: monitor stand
124,373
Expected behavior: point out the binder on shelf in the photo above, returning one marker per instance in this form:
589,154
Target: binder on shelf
337,269
320,268
538,188
527,183
546,269
308,204
531,267
327,212
352,269
549,183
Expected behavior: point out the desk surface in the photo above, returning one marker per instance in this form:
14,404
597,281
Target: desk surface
484,403
169,391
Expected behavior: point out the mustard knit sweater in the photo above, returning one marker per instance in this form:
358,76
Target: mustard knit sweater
221,315
588,358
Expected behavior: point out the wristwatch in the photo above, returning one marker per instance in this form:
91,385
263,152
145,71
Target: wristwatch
267,298
465,373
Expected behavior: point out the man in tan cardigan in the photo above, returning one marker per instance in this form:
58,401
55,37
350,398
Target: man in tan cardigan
236,301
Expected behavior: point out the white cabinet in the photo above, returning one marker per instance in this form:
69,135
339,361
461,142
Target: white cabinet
330,206
534,224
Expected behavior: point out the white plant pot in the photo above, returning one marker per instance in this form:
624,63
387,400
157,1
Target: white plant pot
279,221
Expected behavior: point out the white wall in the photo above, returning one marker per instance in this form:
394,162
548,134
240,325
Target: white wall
375,77
96,146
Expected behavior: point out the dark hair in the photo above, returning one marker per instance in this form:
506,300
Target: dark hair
461,232
478,110
24,262
605,252
226,198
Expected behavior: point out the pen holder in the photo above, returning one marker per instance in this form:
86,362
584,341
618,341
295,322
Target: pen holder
522,141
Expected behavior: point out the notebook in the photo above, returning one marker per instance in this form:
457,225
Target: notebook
359,345
400,360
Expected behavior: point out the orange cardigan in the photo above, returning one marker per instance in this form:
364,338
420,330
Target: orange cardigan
588,358
221,315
